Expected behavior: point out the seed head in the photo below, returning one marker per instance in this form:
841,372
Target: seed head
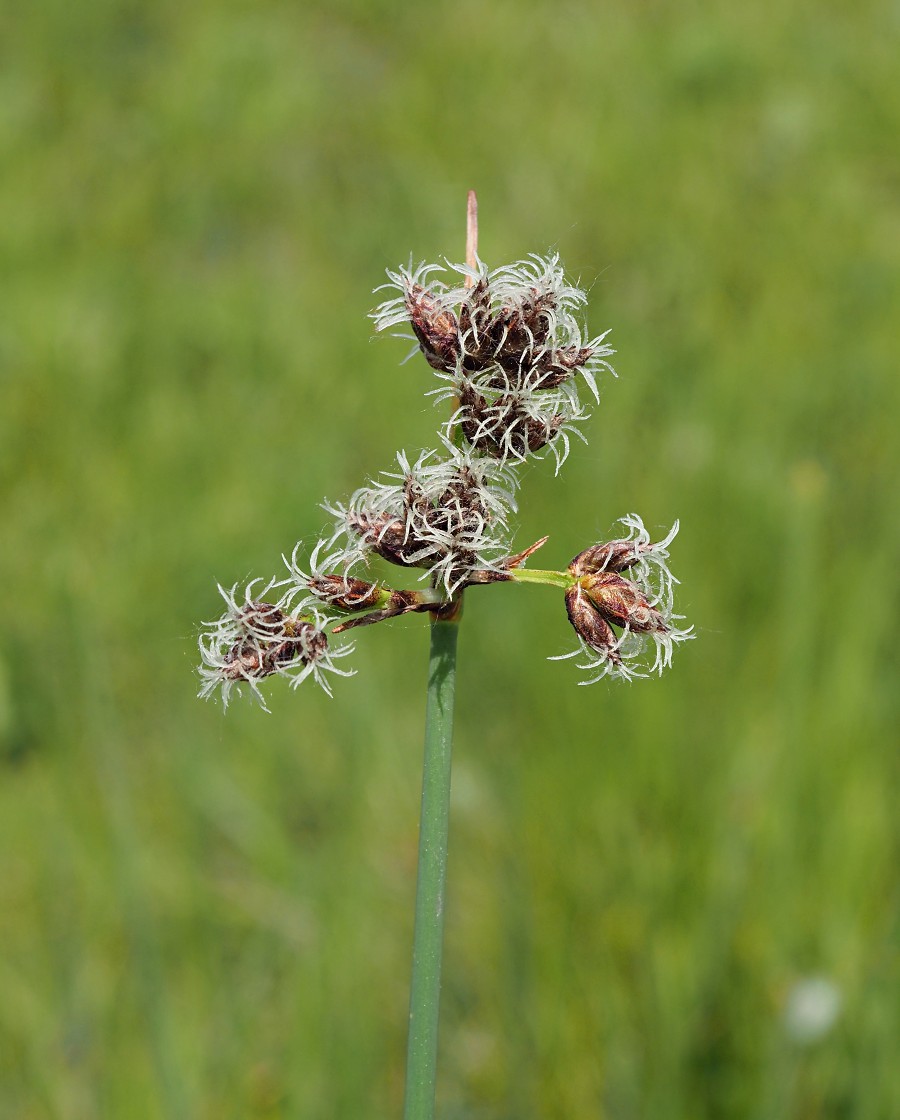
343,592
510,354
648,563
508,346
639,605
255,639
428,308
329,581
448,516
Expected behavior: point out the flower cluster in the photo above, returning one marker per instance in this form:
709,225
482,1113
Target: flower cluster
509,348
255,639
447,515
640,605
510,354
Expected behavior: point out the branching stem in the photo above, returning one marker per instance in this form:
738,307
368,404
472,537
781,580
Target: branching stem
565,580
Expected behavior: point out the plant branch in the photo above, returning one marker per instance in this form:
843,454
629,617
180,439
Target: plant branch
565,580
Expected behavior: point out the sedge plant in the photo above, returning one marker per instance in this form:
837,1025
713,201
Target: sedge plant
511,360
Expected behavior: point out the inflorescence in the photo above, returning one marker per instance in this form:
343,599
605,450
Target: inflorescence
510,354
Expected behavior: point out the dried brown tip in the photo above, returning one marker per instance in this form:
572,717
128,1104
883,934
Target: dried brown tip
471,235
491,575
520,557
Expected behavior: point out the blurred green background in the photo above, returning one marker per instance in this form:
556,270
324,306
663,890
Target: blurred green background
210,916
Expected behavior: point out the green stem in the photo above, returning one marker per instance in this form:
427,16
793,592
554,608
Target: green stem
425,992
565,580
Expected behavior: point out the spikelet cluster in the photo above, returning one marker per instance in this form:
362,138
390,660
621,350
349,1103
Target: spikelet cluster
257,638
511,359
621,605
508,347
446,514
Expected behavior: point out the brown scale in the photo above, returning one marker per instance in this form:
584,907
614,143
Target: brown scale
475,316
493,334
435,327
453,517
621,601
591,626
524,328
389,538
546,371
458,508
399,602
464,491
386,536
559,365
506,414
346,593
509,336
615,556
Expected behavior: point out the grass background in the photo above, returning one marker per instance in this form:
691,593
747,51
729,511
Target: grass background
209,916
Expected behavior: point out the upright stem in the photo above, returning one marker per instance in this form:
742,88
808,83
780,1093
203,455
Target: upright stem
428,938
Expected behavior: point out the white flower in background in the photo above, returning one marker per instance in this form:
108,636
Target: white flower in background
811,1009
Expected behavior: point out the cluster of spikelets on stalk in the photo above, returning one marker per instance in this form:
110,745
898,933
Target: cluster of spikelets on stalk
510,356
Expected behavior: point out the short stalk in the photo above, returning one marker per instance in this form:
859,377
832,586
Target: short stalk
564,580
424,1000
